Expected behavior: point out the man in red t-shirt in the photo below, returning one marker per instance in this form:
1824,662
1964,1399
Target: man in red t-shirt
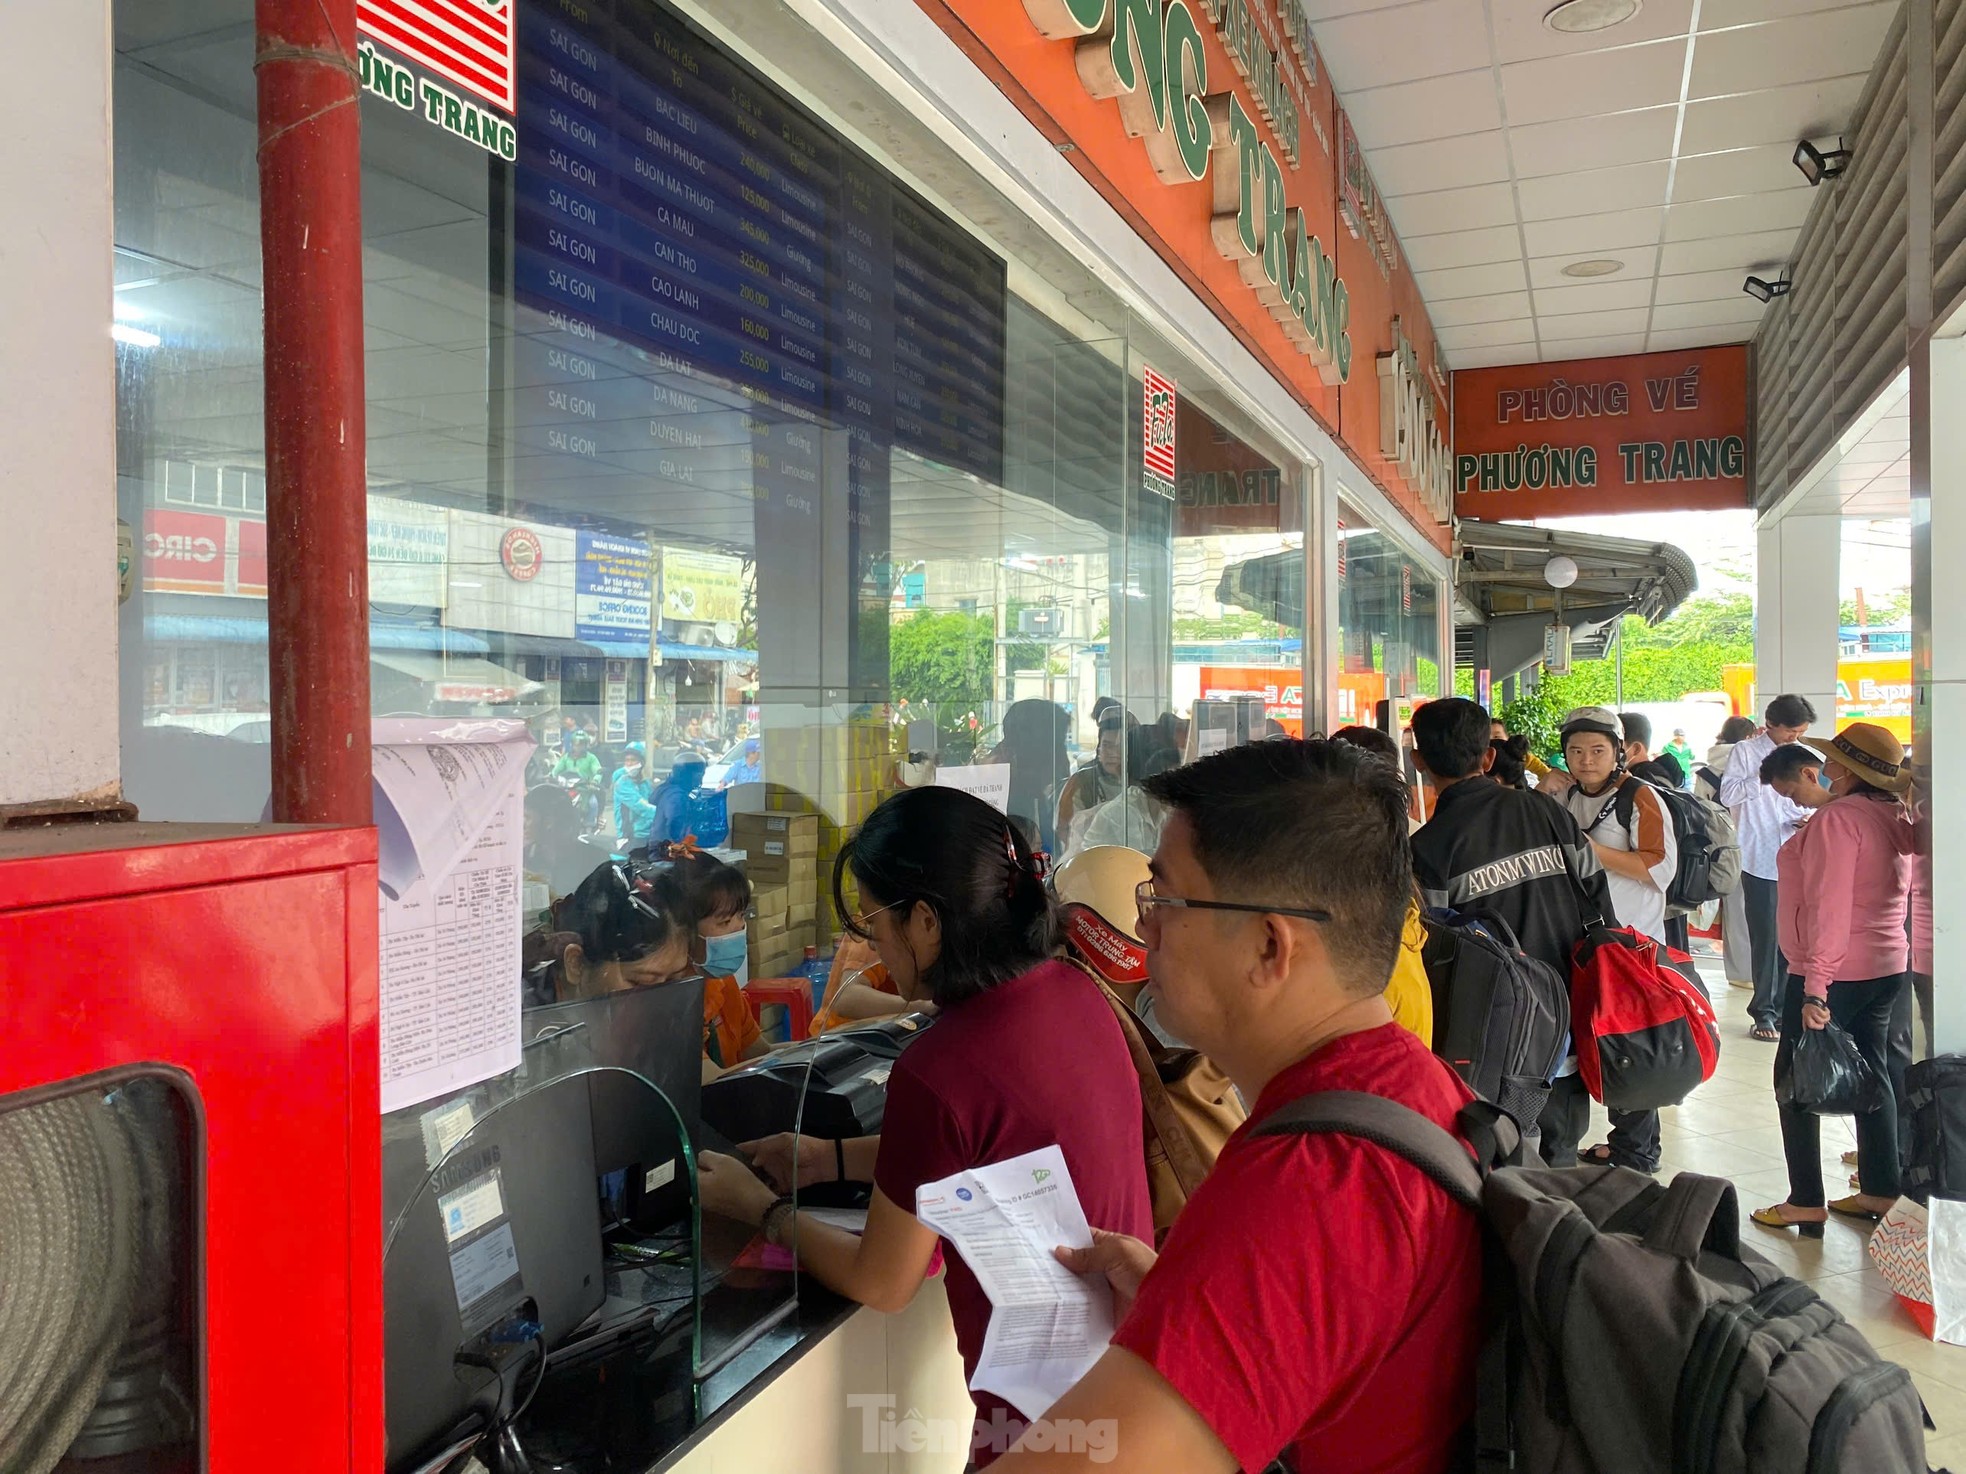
1319,1297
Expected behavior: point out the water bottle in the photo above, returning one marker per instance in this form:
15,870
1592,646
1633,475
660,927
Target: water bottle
814,970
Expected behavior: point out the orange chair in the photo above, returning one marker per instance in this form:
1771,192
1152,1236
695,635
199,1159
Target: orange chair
793,994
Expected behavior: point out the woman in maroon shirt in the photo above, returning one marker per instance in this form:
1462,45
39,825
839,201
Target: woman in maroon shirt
1025,1054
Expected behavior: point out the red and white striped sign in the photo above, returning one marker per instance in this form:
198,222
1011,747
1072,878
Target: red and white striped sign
471,42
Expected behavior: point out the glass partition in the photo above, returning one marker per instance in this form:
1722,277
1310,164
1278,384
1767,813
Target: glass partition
1388,620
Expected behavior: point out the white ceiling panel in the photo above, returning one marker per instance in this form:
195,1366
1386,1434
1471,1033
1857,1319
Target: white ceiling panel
1593,143
1738,308
1764,168
1523,352
1639,263
1724,253
1448,163
1699,286
1747,214
1807,48
1633,187
1520,34
1403,44
1672,339
1507,152
1453,209
1593,83
1778,115
1591,235
1480,335
1569,348
1463,310
1463,248
1592,324
1471,281
1440,107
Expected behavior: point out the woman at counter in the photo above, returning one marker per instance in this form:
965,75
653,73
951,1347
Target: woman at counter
1026,1054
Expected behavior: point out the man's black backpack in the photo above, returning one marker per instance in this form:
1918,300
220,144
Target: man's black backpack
1635,1334
1709,864
1501,1017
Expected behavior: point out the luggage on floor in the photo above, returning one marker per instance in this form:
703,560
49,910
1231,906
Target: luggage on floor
1637,1334
1645,1032
1935,1091
1501,1018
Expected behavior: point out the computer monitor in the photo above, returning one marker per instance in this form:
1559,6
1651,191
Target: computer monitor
507,1232
658,1033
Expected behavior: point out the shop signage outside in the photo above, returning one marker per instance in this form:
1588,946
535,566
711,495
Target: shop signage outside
409,546
613,588
183,552
702,588
1409,429
1655,432
484,593
1157,422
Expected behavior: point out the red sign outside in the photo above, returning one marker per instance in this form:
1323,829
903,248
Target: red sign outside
1281,687
522,554
252,558
1157,421
1654,432
183,552
471,42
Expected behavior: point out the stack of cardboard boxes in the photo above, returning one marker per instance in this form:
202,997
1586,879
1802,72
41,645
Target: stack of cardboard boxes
823,781
782,861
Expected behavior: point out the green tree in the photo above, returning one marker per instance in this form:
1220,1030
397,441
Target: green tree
946,662
1721,619
1889,606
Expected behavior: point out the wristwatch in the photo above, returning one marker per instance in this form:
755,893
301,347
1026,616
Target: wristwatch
776,1216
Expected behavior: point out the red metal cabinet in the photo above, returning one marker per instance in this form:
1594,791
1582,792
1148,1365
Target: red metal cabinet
246,959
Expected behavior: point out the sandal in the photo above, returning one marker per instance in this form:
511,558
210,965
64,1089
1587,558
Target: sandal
1778,1217
1853,1207
1595,1156
1849,1159
1765,1036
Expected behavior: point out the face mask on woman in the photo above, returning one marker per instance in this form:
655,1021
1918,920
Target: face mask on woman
725,956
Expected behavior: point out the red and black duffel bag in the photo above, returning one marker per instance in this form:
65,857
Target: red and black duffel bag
1644,1028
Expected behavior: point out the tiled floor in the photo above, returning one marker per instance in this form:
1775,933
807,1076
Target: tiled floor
1729,1129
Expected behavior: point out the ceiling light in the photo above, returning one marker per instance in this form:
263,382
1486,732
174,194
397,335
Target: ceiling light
122,332
1601,266
1765,291
1816,166
1580,17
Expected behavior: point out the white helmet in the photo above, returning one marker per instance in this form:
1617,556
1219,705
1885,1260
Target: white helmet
1095,889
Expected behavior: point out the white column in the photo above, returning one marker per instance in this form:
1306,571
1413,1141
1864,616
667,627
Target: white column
1938,522
1795,615
1320,600
58,415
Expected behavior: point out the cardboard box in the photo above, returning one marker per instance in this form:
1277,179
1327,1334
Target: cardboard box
769,903
804,913
775,835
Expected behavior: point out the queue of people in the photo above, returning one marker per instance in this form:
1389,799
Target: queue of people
1279,925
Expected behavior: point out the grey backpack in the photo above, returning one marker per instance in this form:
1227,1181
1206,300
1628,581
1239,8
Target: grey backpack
1634,1334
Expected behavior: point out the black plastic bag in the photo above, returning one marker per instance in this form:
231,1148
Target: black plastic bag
1828,1075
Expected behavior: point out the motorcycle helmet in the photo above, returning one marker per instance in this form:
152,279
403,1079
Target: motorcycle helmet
1095,890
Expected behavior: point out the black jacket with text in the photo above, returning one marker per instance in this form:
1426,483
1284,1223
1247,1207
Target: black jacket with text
1516,856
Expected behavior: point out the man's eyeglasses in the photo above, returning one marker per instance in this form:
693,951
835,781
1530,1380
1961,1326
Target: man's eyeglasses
1145,899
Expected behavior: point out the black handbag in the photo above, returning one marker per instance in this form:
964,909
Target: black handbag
1935,1098
1829,1075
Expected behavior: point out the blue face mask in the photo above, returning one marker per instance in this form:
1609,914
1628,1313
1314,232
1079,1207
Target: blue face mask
724,956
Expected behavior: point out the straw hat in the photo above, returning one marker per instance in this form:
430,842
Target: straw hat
1874,755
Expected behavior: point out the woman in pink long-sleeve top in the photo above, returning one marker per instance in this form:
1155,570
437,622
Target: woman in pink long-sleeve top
1843,885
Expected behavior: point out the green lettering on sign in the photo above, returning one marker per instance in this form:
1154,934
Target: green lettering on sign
1187,86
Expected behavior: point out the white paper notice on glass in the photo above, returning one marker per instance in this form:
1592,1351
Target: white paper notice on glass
1047,1325
989,782
451,932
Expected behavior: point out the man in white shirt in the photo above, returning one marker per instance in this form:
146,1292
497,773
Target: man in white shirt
1764,820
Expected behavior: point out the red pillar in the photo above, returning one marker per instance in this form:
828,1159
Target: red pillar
310,177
